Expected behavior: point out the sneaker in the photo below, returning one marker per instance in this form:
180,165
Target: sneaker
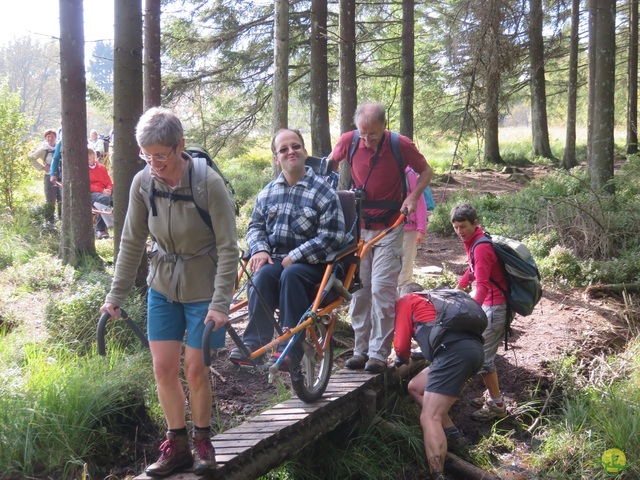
375,366
479,402
237,357
490,411
357,362
437,476
102,234
203,453
175,455
284,365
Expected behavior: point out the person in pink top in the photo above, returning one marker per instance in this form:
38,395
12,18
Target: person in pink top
101,188
414,231
486,271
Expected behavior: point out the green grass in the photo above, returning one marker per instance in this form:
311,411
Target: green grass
601,415
60,411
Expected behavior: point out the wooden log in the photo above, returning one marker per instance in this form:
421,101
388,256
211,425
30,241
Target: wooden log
462,469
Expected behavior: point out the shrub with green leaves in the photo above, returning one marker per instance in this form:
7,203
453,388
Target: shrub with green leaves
72,320
561,267
14,167
42,272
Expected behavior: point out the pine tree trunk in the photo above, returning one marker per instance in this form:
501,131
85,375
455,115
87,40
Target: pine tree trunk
408,69
127,104
77,230
540,128
319,94
152,64
348,85
632,80
602,144
569,159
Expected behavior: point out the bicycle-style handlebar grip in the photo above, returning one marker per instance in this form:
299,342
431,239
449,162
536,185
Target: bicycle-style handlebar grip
102,325
206,341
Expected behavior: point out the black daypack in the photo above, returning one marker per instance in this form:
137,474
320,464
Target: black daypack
197,180
521,272
456,311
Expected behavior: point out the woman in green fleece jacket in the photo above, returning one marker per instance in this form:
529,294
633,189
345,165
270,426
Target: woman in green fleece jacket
191,279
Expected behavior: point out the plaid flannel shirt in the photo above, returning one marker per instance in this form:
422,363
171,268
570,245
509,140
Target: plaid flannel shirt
304,221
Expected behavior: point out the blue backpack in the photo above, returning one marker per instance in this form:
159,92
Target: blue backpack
428,198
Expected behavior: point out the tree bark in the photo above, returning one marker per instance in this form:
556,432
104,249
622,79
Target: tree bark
127,104
492,28
319,92
569,158
408,69
77,230
280,117
632,80
348,84
152,63
591,58
602,144
539,125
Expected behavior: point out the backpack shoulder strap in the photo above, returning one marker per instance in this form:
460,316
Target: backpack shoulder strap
355,140
146,185
199,188
395,148
484,239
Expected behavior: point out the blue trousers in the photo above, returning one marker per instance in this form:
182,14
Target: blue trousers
289,289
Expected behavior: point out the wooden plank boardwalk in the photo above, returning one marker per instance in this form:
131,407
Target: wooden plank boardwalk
263,442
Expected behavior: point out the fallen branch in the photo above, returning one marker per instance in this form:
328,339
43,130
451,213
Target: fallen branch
600,290
217,374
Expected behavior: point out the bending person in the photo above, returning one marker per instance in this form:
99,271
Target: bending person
456,357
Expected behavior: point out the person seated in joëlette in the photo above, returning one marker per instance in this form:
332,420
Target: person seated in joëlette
296,222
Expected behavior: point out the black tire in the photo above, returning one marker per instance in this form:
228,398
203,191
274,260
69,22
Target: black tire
310,379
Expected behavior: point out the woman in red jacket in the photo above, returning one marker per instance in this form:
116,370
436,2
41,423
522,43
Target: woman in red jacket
486,271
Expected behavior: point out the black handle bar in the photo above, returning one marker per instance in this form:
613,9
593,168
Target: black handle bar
206,341
102,325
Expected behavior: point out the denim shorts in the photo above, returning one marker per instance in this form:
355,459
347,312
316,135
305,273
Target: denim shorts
170,320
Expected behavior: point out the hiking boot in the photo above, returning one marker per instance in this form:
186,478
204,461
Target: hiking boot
175,456
203,453
437,476
457,443
237,357
490,411
102,234
357,362
375,366
479,402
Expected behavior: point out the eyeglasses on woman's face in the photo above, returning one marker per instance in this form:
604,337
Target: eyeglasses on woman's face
284,150
158,157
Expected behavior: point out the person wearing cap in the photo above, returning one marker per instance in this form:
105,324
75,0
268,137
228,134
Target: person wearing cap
41,160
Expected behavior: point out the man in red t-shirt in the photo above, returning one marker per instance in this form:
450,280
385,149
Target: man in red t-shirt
101,188
375,171
489,279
